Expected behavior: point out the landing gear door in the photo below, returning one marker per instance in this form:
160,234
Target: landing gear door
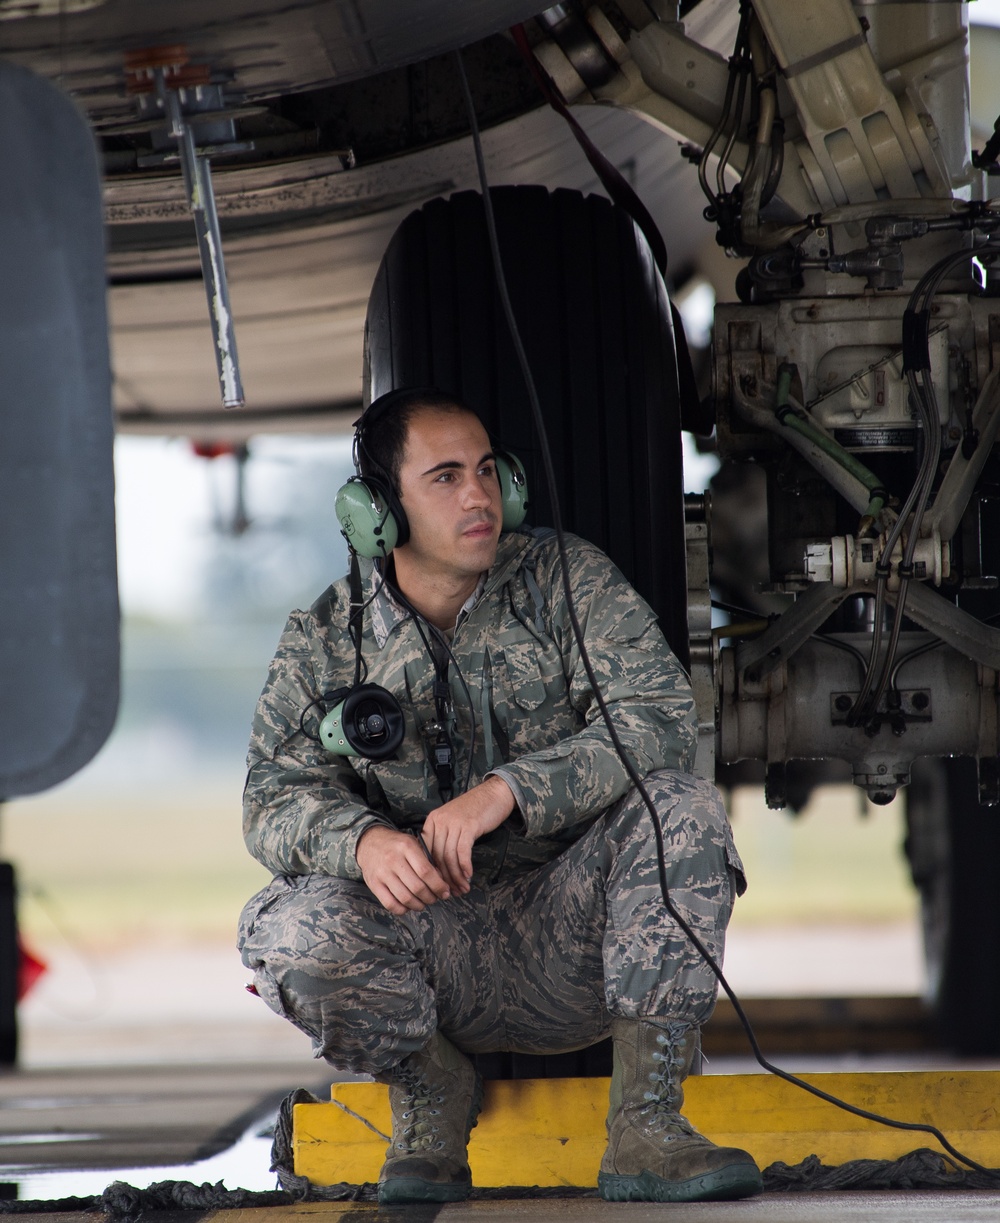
58,583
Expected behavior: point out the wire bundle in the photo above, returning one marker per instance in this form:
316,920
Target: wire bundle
881,670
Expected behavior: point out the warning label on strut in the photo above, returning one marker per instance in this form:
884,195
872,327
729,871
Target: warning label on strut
887,438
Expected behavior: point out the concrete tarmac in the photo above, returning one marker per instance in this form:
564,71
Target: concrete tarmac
908,1207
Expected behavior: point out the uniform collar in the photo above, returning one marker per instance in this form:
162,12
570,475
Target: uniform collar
387,614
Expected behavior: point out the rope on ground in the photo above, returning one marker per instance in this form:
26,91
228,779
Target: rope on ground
920,1169
282,1157
126,1204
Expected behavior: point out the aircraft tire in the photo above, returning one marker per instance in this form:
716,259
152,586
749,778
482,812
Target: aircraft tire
595,321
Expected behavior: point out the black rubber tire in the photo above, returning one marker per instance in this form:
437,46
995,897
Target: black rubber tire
596,323
595,320
954,849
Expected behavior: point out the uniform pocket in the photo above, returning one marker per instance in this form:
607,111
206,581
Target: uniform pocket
524,674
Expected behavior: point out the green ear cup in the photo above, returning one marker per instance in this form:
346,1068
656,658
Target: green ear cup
366,521
513,490
368,722
370,526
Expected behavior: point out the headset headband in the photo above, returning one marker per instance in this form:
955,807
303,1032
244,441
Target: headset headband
403,396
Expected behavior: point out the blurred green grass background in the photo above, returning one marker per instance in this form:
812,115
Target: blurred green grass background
840,860
133,867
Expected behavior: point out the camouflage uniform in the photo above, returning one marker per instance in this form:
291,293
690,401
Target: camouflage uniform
564,928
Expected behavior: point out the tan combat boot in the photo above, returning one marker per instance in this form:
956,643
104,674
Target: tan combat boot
654,1154
435,1096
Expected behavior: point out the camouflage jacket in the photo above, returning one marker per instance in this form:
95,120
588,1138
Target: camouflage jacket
525,693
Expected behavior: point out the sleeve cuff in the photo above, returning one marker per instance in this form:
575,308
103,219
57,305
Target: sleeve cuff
516,817
346,864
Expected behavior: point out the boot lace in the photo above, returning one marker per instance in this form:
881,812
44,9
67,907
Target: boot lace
659,1112
418,1115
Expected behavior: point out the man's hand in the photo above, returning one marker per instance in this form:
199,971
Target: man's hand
451,831
397,870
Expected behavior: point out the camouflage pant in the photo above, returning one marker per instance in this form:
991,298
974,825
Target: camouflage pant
538,963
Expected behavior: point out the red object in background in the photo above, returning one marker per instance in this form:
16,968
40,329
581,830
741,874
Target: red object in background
212,450
29,969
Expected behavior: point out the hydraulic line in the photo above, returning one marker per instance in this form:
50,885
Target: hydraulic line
800,423
916,355
758,171
758,409
743,69
735,70
740,628
932,456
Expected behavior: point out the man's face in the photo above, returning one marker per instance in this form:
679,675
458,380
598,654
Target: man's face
448,487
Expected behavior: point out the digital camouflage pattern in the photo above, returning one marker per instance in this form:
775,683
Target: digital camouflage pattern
527,694
540,962
564,928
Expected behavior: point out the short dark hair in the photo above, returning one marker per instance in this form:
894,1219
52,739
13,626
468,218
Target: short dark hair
383,428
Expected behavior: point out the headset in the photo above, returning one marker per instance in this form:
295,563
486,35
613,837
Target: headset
371,517
365,720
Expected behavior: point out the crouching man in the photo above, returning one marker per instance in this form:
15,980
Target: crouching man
492,885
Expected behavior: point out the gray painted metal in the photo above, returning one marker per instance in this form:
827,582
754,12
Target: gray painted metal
58,583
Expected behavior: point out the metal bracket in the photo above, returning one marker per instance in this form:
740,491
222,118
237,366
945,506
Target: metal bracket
810,610
914,706
963,472
964,633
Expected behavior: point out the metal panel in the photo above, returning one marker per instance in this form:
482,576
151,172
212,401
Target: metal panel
272,46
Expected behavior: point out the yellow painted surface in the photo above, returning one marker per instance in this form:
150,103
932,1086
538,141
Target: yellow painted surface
530,1132
551,1131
